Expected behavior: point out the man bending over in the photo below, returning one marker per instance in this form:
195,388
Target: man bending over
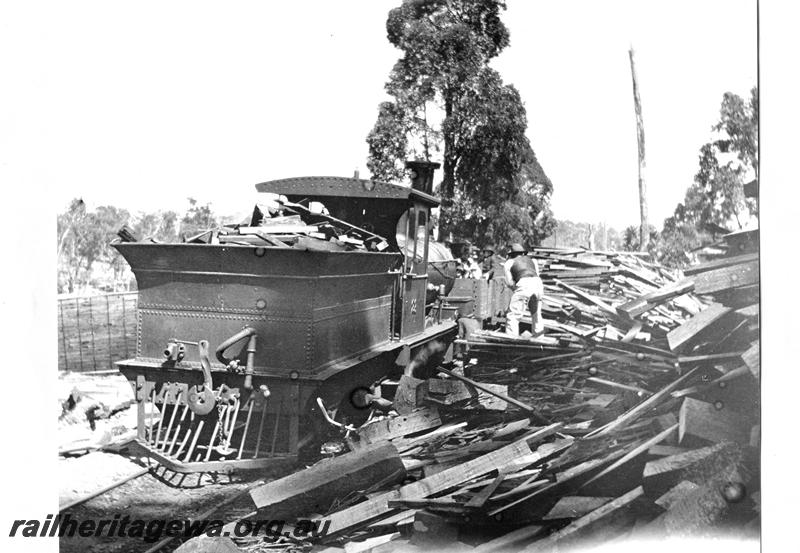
522,274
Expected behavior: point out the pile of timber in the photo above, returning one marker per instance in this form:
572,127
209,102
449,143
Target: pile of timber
635,416
279,223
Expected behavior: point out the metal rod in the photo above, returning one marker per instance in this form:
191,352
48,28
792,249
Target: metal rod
171,419
275,428
213,436
103,490
260,430
194,442
246,426
178,428
161,413
232,426
186,437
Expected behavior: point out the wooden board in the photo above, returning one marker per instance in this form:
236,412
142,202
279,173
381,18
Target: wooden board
662,474
587,522
712,422
644,303
734,276
312,490
752,358
379,506
450,392
401,425
681,337
719,263
574,506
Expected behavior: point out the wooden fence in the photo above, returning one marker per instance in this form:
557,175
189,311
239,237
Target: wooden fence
96,331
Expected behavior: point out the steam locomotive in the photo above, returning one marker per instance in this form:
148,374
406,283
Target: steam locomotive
295,332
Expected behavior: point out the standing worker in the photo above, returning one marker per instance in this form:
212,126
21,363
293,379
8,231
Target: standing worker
491,264
522,274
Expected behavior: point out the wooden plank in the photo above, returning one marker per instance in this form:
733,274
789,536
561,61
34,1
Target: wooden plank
675,493
588,521
644,303
717,280
633,453
379,506
750,311
450,392
739,297
662,474
588,297
510,541
680,337
312,490
480,498
400,425
562,478
752,358
719,263
575,506
695,511
527,408
712,422
630,415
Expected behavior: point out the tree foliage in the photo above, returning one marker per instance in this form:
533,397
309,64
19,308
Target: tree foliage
198,218
592,236
447,101
83,239
716,200
631,238
85,258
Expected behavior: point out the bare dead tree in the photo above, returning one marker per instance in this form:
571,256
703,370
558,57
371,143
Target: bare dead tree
644,234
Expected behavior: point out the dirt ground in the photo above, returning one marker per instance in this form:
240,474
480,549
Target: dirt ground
150,497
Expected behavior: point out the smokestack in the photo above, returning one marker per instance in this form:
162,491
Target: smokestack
422,174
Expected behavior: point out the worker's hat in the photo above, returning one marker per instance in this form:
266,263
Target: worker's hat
517,248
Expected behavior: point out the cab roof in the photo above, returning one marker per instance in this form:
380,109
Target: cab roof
344,187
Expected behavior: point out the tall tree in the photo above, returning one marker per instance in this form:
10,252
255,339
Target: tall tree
84,239
715,201
447,101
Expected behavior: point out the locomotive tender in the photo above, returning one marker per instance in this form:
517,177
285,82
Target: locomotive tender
287,326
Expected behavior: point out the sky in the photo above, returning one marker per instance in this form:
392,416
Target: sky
144,104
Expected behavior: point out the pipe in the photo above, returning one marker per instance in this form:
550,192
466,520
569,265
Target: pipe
246,332
251,354
348,427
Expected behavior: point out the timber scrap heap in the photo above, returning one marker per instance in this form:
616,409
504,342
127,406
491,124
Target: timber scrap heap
636,415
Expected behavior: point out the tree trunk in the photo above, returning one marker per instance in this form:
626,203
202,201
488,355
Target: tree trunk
644,234
449,166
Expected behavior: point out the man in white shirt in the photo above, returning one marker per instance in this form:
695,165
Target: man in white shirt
522,274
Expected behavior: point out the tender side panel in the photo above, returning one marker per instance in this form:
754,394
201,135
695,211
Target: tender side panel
351,315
